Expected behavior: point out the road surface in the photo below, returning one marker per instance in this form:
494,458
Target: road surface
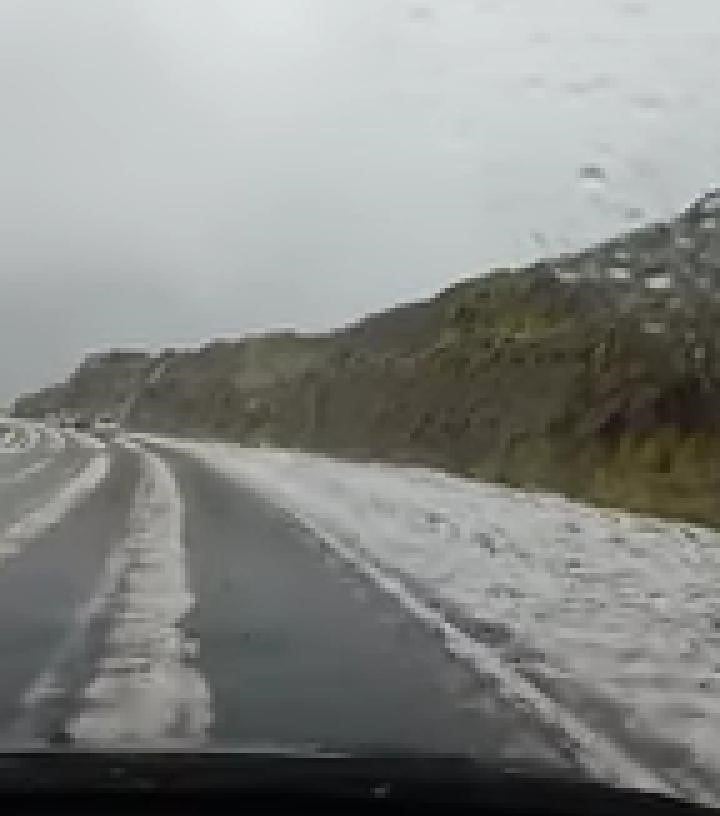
292,646
149,600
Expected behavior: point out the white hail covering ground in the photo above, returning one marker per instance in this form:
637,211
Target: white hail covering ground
39,519
623,608
50,507
144,688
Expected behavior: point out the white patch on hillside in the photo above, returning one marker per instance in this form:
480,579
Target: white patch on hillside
659,282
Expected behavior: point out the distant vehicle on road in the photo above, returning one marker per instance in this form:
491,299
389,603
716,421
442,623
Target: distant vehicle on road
105,426
77,423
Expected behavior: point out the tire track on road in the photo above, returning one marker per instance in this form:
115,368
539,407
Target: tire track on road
45,584
124,676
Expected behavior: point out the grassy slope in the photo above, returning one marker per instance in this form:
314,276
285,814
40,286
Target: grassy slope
573,375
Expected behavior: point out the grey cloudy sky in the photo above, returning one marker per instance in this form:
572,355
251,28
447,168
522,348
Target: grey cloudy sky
172,170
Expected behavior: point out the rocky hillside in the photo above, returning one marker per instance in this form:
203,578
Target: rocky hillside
100,384
596,374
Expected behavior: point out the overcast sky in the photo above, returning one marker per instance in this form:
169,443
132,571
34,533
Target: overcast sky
172,170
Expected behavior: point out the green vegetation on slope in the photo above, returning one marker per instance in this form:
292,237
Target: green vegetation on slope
596,374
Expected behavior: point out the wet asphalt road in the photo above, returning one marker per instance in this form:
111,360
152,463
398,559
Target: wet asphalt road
43,588
294,647
298,648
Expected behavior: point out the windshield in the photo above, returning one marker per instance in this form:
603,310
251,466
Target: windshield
361,382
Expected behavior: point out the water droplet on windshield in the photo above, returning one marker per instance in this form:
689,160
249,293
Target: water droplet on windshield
593,176
592,171
420,12
634,214
647,102
633,7
589,85
540,38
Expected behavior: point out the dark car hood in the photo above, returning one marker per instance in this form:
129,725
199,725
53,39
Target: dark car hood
305,775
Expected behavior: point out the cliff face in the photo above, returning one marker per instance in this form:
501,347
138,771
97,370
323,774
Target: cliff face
100,384
597,374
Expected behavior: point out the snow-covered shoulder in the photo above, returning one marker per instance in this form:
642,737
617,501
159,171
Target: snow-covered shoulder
620,606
